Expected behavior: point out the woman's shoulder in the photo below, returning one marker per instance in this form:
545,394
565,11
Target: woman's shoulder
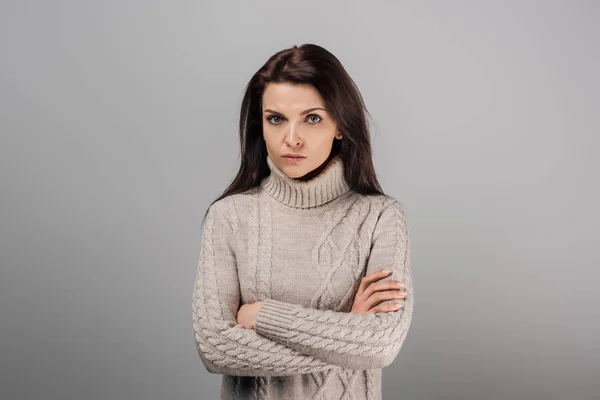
388,211
230,206
382,202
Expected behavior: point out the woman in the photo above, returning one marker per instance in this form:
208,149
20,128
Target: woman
292,300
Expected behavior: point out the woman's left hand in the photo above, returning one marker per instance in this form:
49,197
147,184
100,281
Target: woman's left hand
246,315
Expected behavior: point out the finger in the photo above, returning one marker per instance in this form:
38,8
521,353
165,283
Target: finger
386,307
375,276
387,284
378,297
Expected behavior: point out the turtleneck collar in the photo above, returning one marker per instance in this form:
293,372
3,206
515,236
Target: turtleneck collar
321,189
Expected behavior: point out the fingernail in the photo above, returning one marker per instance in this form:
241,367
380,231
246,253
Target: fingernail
385,271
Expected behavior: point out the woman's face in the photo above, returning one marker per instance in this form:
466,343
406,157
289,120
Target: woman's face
295,121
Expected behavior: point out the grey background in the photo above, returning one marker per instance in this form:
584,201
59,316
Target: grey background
118,125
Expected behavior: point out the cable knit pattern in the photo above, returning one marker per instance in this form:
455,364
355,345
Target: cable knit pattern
356,341
225,346
301,248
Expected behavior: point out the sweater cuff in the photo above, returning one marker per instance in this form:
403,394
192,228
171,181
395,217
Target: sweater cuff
274,319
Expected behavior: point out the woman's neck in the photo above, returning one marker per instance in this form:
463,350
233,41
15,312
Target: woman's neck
316,188
315,171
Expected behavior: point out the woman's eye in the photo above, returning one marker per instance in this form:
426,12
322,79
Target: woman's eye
270,119
313,121
276,120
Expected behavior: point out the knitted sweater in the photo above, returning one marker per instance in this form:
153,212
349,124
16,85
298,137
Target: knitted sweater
301,248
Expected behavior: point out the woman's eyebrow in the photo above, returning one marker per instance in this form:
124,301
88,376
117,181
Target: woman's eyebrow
302,113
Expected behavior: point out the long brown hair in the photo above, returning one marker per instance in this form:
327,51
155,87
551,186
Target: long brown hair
312,64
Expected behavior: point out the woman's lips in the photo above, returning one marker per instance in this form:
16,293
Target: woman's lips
293,159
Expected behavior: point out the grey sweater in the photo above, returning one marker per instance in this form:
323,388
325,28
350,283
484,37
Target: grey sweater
301,248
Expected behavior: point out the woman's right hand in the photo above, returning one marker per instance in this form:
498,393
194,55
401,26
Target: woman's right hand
371,293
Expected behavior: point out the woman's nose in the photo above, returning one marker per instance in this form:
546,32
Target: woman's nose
292,138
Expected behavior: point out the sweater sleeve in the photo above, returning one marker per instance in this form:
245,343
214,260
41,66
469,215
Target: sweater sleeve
224,346
352,340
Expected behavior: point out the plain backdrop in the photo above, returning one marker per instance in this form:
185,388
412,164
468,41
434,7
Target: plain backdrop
118,123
